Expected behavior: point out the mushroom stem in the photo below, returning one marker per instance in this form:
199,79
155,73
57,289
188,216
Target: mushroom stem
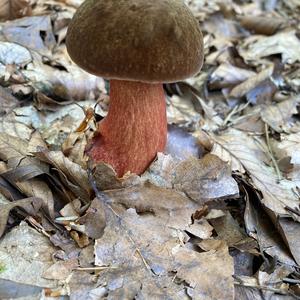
135,128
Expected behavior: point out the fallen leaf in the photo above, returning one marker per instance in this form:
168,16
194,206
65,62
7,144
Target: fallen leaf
131,261
29,204
284,43
25,249
60,270
166,204
290,231
202,273
21,168
228,230
181,144
13,53
206,179
31,32
250,154
262,24
7,101
93,220
227,75
12,9
252,82
72,175
279,116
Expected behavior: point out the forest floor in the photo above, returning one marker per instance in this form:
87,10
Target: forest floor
214,217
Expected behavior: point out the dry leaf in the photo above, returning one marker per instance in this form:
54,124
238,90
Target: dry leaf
251,83
284,43
181,144
290,231
27,33
202,272
26,254
251,155
262,24
14,54
12,9
279,116
206,179
129,258
71,174
30,205
169,206
227,75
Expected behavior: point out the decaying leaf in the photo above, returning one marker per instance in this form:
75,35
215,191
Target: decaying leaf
11,9
201,272
254,157
280,116
13,53
27,32
31,205
284,43
72,174
252,82
27,250
227,75
205,179
262,24
158,253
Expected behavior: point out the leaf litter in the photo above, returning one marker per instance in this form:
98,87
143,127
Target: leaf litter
214,217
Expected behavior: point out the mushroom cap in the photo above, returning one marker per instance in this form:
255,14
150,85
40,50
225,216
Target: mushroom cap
138,40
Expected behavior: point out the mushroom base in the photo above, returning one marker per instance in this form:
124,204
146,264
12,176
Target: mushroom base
135,128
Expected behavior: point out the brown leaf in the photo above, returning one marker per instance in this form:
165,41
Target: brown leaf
29,204
252,155
21,168
206,179
181,144
25,249
166,204
26,32
285,43
262,24
7,101
279,116
290,231
12,9
227,75
71,83
251,83
228,230
71,174
106,178
203,274
60,270
130,258
93,220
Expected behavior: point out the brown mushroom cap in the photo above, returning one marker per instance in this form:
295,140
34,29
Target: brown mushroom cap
139,40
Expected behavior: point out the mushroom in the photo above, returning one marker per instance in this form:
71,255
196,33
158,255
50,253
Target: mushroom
138,45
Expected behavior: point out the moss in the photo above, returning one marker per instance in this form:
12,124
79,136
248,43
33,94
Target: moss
2,267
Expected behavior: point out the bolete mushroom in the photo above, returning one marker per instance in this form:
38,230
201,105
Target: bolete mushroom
138,45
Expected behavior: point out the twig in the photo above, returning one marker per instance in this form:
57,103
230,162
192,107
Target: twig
37,226
94,268
295,211
235,110
290,280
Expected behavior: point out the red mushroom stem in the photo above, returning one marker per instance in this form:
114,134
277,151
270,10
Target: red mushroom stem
135,128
